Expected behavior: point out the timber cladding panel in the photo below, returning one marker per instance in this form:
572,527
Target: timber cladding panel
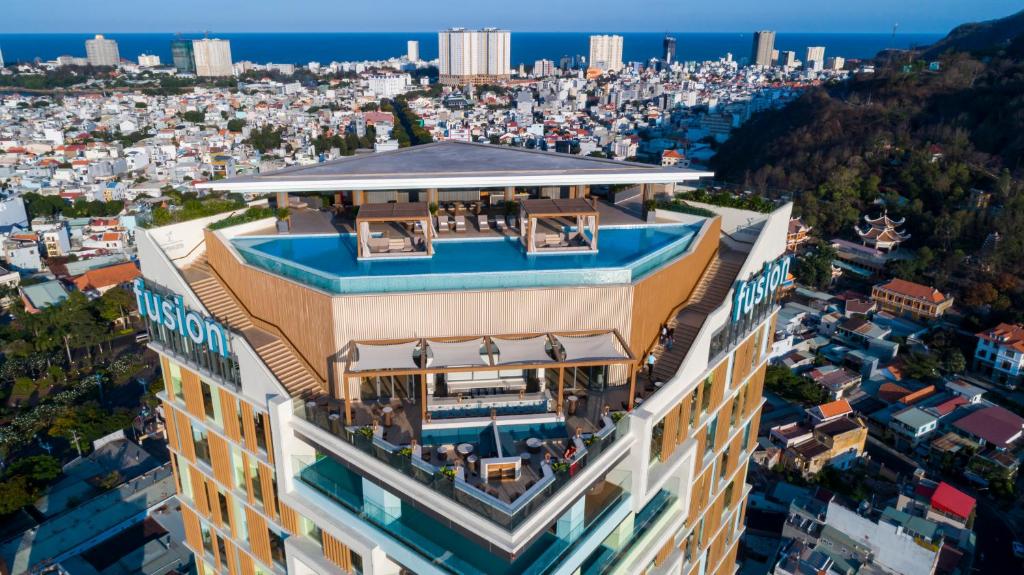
259,540
302,314
742,360
657,295
491,312
336,552
192,389
229,410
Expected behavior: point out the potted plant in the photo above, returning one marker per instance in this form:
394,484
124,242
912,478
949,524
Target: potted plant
405,452
649,208
433,208
447,471
366,431
283,220
560,467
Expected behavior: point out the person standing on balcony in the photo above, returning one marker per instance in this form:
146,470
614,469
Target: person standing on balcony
650,365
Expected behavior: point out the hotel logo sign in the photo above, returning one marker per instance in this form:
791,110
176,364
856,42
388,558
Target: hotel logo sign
172,313
763,286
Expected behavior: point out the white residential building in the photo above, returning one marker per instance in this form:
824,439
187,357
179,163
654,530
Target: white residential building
149,60
388,85
815,59
412,51
467,56
606,53
101,51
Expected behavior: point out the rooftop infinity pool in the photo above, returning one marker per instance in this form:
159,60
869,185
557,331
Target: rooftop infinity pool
624,255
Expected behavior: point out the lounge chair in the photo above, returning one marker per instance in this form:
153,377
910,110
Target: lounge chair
377,245
499,223
481,222
512,222
418,227
442,224
396,245
460,223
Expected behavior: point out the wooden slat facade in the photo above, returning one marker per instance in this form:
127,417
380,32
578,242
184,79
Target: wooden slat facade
248,428
191,388
184,432
220,457
229,411
259,541
657,295
193,535
337,552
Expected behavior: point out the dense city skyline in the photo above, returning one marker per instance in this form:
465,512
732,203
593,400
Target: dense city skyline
67,16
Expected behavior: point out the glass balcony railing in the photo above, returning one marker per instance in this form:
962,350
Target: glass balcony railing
605,556
507,515
444,543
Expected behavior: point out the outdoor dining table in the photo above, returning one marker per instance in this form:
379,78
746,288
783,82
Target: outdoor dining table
465,449
389,415
445,450
534,444
573,401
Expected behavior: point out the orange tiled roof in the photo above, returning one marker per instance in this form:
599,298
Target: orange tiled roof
914,290
1011,335
109,276
915,396
834,408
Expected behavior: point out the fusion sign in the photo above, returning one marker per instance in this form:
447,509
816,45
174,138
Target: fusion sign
173,314
750,293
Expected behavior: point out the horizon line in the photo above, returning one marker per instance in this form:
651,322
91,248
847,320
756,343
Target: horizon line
886,32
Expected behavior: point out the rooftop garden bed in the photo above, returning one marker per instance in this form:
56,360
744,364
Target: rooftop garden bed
251,215
190,206
726,200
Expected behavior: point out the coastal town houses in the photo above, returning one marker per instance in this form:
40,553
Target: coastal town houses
999,354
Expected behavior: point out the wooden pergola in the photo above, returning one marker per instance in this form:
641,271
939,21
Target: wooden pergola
558,362
583,211
415,213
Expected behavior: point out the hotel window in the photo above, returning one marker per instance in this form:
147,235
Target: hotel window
241,528
693,408
222,551
184,477
746,435
174,374
222,501
656,438
276,546
728,497
709,439
201,444
257,490
357,562
207,537
705,393
238,467
260,423
724,466
211,403
737,402
310,530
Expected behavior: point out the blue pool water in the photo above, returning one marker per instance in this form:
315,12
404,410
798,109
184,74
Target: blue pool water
625,254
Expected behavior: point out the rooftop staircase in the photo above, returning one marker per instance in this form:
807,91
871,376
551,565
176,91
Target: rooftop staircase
709,293
297,376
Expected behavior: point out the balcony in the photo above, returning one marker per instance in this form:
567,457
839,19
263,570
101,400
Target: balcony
426,527
502,472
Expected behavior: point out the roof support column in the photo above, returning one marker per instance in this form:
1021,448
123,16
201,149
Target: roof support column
510,193
561,383
358,197
632,387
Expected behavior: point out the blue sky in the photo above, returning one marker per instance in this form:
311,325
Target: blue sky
88,16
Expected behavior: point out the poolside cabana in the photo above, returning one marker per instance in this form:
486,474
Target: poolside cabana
486,372
581,237
417,241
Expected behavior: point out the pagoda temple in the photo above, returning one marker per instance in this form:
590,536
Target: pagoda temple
882,233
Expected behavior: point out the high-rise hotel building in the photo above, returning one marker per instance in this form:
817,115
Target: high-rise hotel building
102,51
474,56
392,391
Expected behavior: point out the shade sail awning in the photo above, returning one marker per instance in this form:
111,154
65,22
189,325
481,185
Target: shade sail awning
597,347
528,350
456,353
381,357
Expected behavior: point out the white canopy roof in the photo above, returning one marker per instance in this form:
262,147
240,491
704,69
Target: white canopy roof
600,346
529,350
456,354
391,356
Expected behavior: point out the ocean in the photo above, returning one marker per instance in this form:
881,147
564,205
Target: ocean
294,48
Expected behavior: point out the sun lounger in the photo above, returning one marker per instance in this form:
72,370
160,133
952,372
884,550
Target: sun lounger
512,222
481,222
396,245
442,224
499,224
460,223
